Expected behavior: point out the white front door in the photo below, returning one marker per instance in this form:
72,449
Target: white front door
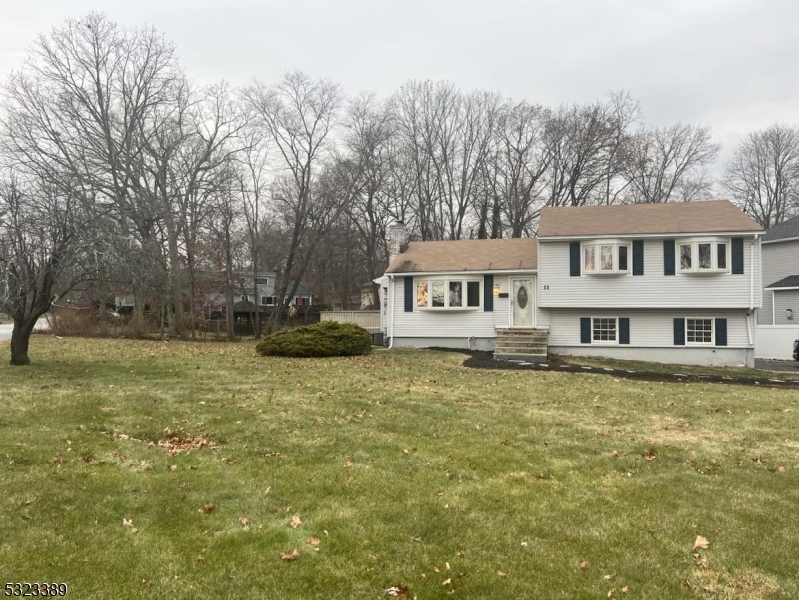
521,301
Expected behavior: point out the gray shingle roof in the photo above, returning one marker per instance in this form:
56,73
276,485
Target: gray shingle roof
786,282
784,231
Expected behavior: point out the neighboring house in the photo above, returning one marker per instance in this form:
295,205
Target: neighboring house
778,320
244,291
673,283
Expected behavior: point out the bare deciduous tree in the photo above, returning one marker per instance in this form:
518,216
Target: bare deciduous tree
298,114
763,174
46,248
662,161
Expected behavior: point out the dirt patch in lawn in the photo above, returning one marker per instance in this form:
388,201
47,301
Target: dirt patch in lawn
665,430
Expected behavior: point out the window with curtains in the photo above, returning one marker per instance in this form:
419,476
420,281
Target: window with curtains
448,294
702,256
607,257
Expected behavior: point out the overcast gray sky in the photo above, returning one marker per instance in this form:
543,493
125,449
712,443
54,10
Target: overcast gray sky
730,64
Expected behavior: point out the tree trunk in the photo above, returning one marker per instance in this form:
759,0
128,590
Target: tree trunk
177,326
20,337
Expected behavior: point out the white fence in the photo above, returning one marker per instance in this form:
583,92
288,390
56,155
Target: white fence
775,341
368,319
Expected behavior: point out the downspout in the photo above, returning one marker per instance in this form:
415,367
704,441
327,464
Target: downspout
390,302
773,309
751,290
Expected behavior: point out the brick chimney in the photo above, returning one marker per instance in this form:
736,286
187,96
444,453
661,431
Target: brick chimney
397,239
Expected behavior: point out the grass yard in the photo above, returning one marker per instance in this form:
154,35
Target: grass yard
178,470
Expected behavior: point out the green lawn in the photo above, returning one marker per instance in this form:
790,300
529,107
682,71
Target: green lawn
406,467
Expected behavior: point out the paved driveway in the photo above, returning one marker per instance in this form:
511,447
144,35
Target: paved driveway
777,365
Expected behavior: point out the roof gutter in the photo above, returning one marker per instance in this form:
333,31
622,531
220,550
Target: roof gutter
638,236
475,273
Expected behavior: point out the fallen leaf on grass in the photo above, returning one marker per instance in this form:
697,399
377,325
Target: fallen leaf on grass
625,589
295,522
245,522
447,581
290,556
398,591
502,574
651,454
701,543
584,565
208,508
313,541
129,524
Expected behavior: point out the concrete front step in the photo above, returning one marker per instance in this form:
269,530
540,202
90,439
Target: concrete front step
532,339
529,345
537,358
520,349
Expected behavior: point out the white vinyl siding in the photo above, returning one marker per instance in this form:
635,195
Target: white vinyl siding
648,328
450,323
780,260
653,289
783,300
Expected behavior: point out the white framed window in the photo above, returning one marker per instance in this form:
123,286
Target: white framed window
270,301
263,300
448,294
606,257
604,330
699,332
703,256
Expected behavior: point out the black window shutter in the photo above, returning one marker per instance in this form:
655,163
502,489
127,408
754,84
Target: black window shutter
721,332
585,330
409,294
624,330
574,259
668,257
737,256
488,293
638,257
679,332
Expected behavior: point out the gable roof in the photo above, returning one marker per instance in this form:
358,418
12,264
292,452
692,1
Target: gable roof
645,219
792,281
456,256
784,231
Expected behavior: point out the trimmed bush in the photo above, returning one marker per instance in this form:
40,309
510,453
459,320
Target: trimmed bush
328,338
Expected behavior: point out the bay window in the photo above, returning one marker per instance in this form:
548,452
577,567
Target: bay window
702,256
448,294
612,257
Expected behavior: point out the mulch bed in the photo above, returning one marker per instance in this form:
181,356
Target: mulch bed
486,360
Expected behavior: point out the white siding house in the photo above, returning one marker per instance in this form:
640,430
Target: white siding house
778,319
674,283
